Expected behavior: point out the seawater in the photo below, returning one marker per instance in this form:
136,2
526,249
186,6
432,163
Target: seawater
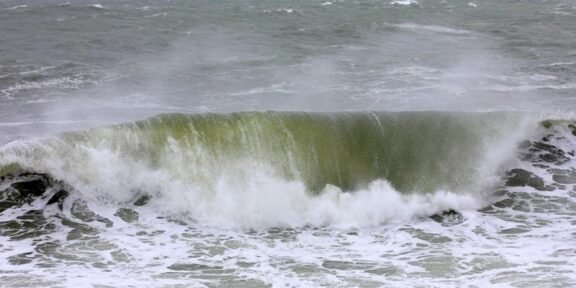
287,143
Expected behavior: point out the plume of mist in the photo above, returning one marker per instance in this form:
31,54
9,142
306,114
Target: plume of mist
410,67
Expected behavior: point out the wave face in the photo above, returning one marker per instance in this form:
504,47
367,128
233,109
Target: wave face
282,168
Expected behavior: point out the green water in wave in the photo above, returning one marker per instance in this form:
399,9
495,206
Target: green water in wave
414,151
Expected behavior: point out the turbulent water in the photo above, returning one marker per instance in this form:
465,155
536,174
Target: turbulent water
280,143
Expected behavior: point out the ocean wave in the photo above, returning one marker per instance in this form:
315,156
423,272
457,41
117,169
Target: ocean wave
264,169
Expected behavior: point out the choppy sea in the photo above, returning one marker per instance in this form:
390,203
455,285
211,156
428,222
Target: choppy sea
284,143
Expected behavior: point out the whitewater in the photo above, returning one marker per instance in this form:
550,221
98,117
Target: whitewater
287,143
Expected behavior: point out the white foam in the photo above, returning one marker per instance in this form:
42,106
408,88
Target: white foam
286,10
97,6
268,202
475,252
17,7
404,2
64,82
432,28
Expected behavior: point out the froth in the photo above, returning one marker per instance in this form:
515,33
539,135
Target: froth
265,201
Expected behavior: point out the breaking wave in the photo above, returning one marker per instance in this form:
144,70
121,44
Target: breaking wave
263,169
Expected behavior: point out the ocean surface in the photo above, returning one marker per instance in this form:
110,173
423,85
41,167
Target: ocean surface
284,143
